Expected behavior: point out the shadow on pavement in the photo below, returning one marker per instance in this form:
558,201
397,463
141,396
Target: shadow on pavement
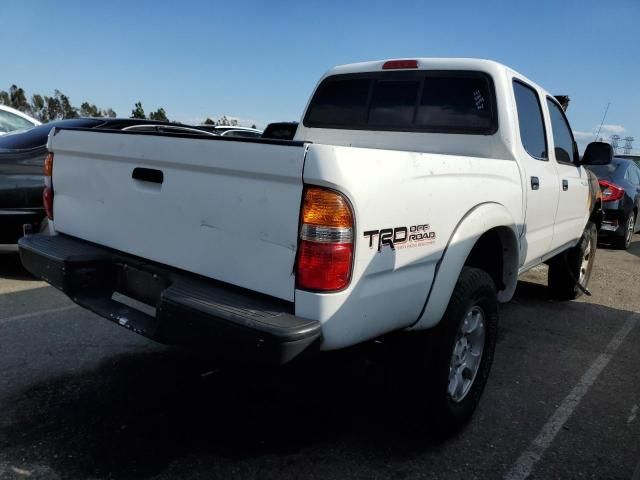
11,267
634,248
136,413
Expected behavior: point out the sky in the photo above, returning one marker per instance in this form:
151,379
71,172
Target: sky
259,61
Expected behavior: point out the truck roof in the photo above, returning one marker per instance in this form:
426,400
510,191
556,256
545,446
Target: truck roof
432,63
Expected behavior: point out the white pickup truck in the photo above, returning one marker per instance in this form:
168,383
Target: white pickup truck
413,195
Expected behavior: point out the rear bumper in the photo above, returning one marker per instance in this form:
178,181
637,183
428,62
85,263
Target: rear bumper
614,222
12,221
177,307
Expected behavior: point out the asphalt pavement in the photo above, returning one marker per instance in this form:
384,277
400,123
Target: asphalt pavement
82,398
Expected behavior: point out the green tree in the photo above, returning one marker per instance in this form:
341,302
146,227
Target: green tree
159,115
5,99
227,122
138,111
89,110
19,99
68,110
253,126
53,109
109,112
208,121
38,107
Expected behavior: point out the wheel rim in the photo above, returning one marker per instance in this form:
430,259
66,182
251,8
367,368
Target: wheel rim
630,224
584,265
467,354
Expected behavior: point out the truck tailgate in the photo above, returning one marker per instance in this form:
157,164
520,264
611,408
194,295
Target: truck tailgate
225,209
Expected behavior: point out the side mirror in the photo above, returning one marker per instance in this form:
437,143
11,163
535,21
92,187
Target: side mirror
597,153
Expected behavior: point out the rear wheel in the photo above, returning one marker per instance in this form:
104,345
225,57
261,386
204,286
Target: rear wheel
573,266
449,365
625,241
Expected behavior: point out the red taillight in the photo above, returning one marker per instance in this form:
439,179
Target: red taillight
399,64
324,266
47,200
610,191
325,251
47,193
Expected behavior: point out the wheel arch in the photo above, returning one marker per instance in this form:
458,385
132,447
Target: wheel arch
486,238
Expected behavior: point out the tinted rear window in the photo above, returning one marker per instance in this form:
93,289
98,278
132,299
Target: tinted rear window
433,101
37,136
458,103
393,103
340,102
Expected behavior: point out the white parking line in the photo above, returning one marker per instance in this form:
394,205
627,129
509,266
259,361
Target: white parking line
36,314
524,465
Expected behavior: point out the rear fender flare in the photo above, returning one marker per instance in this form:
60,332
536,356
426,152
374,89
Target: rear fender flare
474,224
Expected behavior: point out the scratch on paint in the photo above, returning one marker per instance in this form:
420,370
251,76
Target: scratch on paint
206,225
634,411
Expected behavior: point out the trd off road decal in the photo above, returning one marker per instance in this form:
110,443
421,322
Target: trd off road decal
401,237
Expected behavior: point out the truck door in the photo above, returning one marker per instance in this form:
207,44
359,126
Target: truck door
573,183
540,187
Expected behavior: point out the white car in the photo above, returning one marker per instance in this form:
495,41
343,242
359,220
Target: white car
412,196
232,131
12,119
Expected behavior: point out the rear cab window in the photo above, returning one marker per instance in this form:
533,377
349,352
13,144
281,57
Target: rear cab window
412,101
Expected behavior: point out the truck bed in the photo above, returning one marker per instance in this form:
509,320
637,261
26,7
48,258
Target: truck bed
224,209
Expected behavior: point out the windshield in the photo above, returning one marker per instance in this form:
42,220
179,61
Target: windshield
10,122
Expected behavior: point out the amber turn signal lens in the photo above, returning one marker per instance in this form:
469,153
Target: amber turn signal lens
48,165
325,207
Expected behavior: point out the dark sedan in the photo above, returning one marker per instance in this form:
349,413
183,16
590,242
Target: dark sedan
22,156
619,180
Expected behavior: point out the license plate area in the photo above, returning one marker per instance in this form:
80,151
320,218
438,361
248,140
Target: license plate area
138,288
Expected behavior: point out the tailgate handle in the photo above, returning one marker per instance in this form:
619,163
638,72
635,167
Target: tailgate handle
148,175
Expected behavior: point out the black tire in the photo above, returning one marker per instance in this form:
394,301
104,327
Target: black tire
624,241
567,269
428,355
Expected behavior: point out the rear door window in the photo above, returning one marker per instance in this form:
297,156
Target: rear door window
530,120
562,136
430,101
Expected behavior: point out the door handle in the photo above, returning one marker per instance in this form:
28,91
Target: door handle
148,175
565,185
535,183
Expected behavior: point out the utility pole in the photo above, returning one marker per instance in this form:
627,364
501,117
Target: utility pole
603,117
628,145
614,142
